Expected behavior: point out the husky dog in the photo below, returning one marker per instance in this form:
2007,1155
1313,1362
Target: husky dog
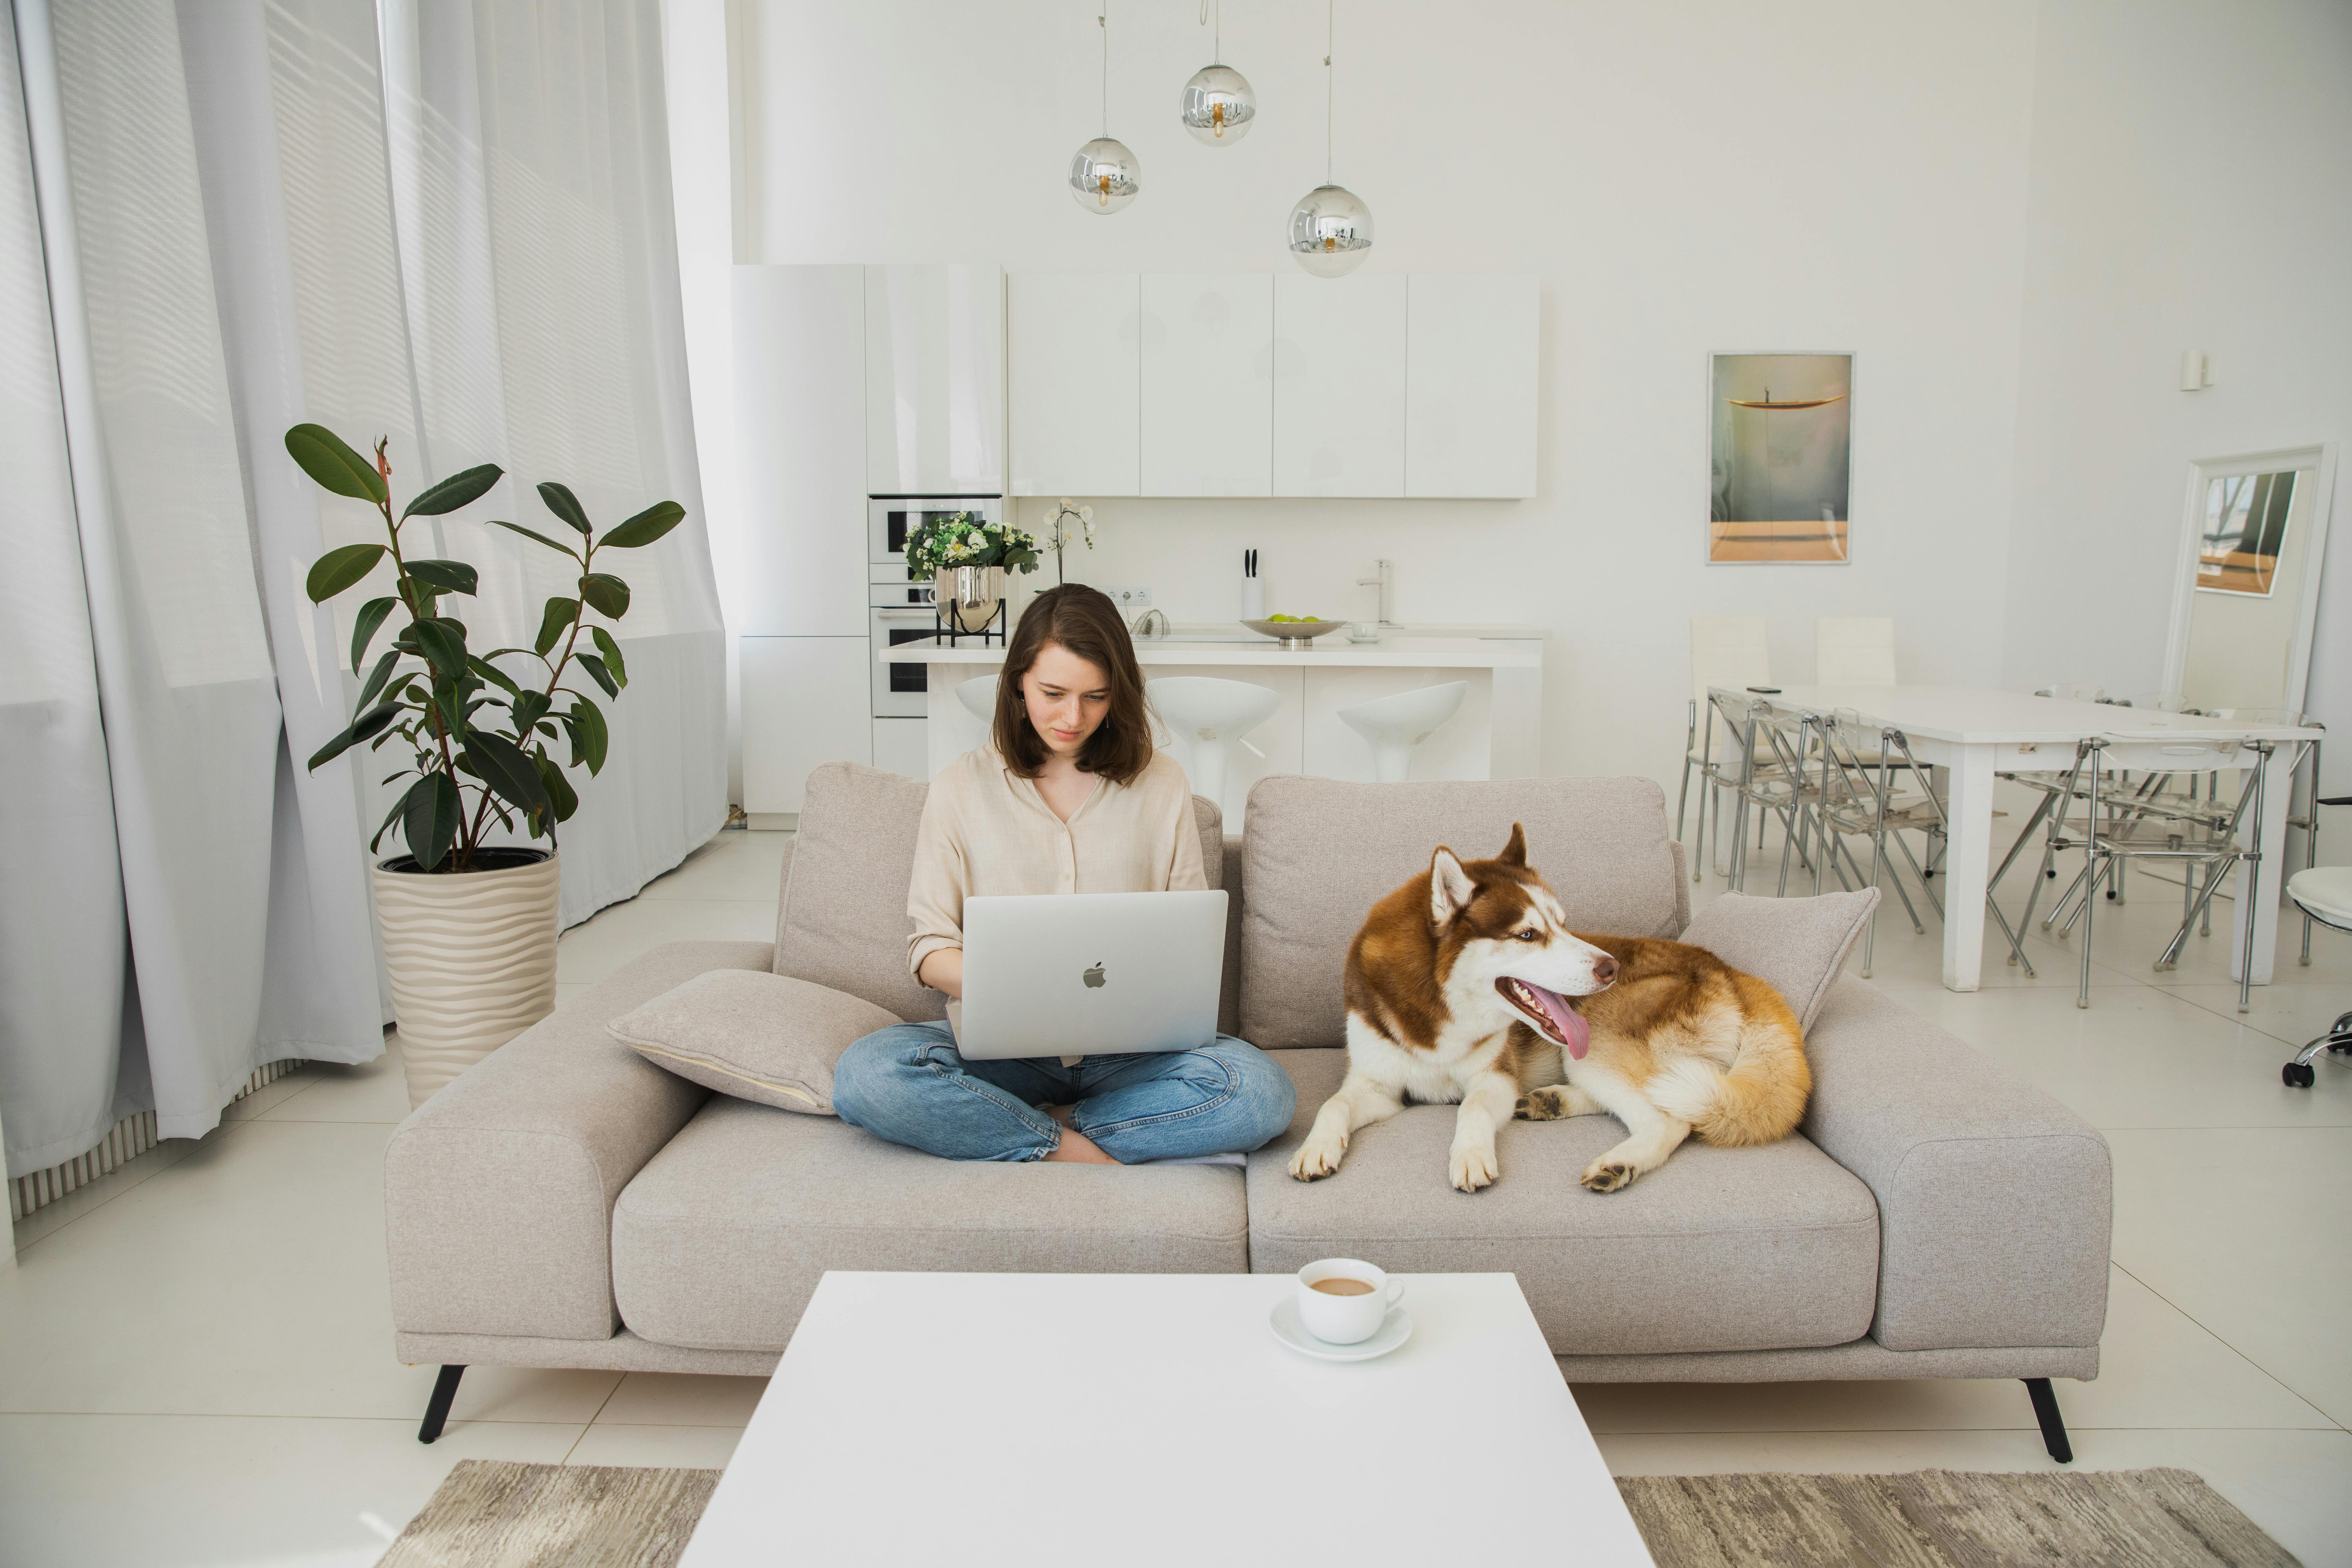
1466,986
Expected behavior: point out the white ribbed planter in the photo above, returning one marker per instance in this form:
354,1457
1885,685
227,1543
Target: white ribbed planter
472,956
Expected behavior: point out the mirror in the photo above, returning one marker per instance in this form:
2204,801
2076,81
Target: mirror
2247,587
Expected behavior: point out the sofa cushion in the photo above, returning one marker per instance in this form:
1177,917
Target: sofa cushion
1796,945
1719,1249
720,1239
1318,853
767,1038
841,912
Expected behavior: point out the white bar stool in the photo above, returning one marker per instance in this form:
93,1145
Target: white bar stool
1207,715
978,699
1395,725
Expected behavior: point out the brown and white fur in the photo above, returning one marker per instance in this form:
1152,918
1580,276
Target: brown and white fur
1466,986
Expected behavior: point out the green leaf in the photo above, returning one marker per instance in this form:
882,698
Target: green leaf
371,723
454,492
528,710
429,818
533,533
564,504
646,527
443,643
377,677
595,667
553,622
372,614
560,793
586,722
605,594
444,576
491,673
339,569
609,647
398,807
325,456
507,769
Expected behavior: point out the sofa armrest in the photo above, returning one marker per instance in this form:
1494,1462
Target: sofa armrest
1995,1201
499,1191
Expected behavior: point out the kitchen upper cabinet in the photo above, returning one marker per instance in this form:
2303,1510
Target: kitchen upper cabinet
806,702
1470,385
1208,383
1339,385
800,404
1076,383
935,380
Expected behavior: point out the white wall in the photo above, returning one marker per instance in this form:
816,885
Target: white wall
2191,187
1685,178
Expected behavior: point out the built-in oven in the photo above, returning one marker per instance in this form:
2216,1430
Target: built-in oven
889,518
899,689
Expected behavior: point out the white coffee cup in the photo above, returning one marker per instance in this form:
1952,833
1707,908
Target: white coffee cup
1364,631
1350,1319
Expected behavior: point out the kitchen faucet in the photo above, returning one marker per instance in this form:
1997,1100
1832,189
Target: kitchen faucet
1379,580
1143,624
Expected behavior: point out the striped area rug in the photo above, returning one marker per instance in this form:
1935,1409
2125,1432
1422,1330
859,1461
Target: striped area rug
496,1514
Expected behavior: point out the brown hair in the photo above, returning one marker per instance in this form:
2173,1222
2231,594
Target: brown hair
1085,621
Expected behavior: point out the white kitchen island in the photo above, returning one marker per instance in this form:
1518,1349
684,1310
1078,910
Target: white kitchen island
1495,735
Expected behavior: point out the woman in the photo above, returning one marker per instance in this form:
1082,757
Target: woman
1069,797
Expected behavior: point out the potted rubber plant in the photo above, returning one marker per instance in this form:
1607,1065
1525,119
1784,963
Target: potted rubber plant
469,924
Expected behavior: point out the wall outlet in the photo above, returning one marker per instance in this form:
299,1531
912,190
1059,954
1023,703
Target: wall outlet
1130,598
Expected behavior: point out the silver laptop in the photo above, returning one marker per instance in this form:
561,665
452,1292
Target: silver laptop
1089,974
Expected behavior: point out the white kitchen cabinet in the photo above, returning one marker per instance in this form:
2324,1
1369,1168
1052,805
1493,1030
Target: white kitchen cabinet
1470,385
1207,407
800,368
1074,383
902,746
934,400
1339,385
806,702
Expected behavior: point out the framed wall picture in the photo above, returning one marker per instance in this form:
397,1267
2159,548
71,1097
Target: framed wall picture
1780,457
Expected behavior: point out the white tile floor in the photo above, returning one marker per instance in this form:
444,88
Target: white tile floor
193,1351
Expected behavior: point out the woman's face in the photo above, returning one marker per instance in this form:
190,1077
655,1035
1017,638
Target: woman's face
1066,698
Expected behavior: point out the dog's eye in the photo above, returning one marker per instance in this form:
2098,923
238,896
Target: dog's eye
1529,935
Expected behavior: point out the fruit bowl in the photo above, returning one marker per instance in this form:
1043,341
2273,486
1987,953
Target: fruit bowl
1293,635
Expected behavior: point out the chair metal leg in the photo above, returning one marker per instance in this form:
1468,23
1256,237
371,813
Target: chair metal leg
2090,896
436,1409
2054,1427
2250,886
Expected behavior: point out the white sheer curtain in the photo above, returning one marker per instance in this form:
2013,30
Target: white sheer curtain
208,232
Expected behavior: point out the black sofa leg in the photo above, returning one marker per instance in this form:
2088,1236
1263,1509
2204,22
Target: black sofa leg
2045,1410
445,1393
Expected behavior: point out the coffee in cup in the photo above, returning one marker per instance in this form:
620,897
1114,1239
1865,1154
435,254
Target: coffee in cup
1343,1300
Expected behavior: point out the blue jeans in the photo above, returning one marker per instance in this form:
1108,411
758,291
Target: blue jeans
908,1083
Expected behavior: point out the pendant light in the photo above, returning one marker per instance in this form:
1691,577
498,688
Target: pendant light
1218,107
1103,175
1330,228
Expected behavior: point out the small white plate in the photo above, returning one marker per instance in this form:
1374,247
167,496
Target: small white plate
1394,1331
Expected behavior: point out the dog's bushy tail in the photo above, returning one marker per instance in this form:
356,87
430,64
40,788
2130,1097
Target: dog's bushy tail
1761,1098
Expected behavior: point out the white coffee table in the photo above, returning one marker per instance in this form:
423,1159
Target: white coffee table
1015,1418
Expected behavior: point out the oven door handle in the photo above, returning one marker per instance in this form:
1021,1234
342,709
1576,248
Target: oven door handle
911,612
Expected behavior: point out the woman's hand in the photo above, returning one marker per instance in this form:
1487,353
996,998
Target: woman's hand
943,971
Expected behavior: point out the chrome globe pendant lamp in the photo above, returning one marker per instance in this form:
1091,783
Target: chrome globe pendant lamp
1218,107
1330,228
1103,175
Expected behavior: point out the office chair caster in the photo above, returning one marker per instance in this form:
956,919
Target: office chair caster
2337,1041
2298,1075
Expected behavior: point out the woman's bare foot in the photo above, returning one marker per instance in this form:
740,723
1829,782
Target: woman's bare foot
1075,1148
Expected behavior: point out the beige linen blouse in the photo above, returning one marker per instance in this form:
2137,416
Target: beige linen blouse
987,830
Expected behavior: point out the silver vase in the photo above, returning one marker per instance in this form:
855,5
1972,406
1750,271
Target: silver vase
967,597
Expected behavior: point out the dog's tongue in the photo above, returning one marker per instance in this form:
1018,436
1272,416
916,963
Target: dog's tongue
1568,1024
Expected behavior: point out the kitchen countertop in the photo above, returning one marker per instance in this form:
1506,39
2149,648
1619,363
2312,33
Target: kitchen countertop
1240,647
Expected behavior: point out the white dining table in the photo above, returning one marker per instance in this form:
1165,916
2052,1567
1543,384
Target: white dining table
1978,731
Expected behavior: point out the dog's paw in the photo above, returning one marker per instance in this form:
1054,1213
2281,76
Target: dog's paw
1608,1175
1470,1169
1543,1104
1317,1158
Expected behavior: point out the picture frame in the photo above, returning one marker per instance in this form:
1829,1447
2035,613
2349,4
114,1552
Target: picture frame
1779,458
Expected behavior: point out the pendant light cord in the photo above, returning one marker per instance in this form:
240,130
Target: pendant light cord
1102,20
1216,49
1329,88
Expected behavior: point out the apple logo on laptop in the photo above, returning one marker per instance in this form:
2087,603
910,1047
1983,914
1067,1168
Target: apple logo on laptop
1094,978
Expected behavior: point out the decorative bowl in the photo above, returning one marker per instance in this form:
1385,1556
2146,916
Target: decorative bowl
1293,635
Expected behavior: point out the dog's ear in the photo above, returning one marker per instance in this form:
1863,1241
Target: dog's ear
1515,853
1449,886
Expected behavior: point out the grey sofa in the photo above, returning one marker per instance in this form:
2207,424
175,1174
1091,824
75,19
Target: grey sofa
566,1204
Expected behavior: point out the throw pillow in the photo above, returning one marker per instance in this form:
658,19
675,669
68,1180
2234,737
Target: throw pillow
762,1038
1796,945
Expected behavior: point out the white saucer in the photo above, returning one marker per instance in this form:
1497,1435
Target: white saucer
1394,1329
